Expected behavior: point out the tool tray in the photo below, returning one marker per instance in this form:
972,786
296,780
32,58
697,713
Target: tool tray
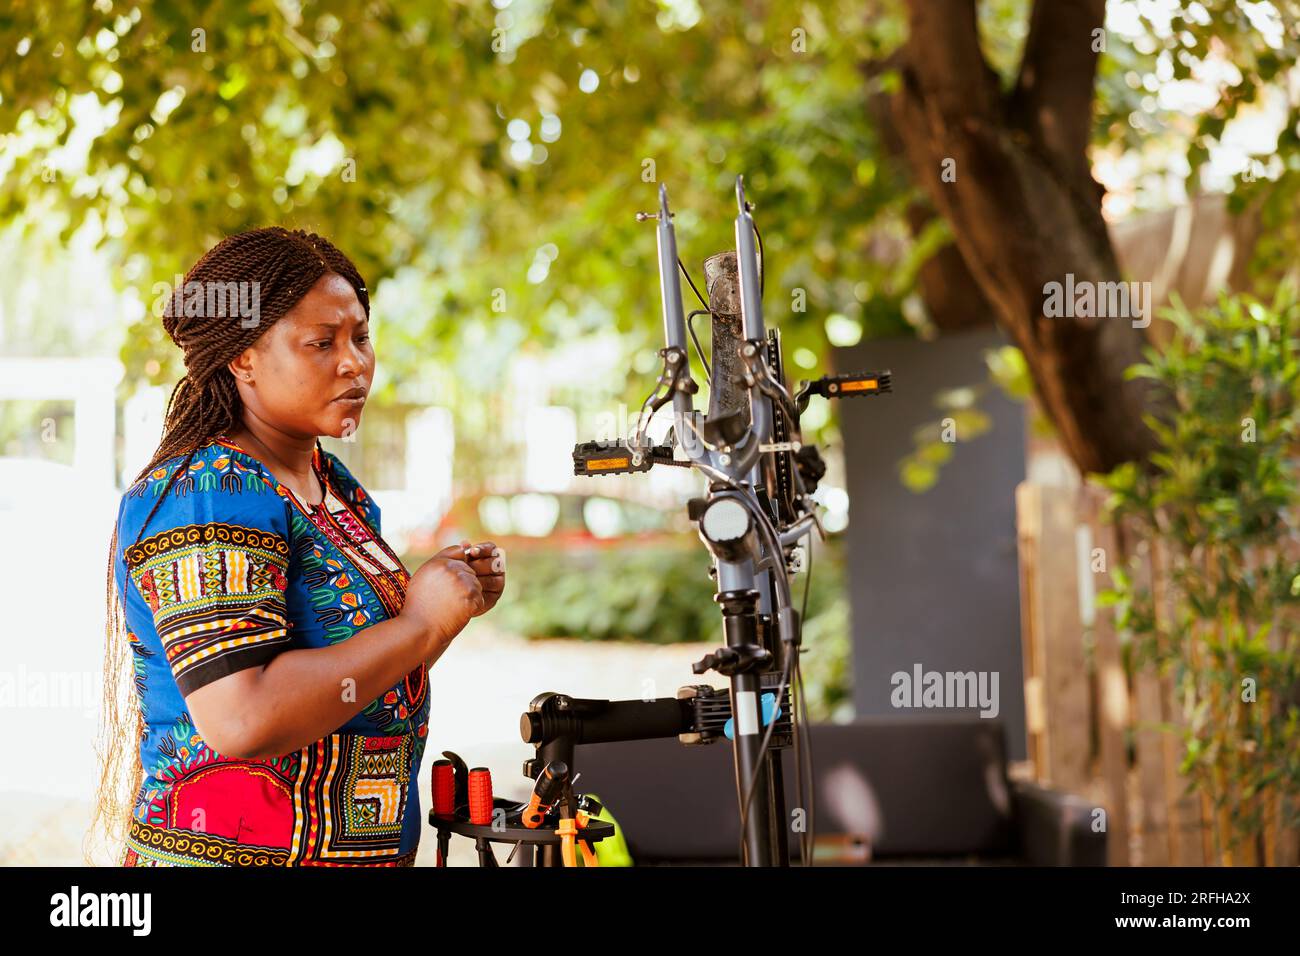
514,831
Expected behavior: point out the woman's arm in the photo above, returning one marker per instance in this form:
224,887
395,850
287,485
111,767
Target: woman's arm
305,694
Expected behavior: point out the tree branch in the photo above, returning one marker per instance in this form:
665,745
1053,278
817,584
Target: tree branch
1053,96
943,51
1010,174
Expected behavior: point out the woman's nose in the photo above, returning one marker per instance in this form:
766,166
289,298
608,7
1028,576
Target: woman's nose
353,361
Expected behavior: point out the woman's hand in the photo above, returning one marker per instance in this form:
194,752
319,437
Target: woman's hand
489,563
442,595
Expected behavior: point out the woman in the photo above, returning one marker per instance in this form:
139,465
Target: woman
278,647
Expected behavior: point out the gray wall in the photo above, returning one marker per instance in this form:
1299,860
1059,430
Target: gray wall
932,576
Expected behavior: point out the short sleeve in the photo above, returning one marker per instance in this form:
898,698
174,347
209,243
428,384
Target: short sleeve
214,578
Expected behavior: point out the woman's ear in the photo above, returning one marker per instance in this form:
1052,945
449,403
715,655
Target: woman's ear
241,366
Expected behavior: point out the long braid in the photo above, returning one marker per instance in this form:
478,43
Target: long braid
205,403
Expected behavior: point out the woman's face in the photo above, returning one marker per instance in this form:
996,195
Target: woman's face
307,360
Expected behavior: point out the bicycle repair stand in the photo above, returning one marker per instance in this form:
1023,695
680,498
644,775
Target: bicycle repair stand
556,723
758,508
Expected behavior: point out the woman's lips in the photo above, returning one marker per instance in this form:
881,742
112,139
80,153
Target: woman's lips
351,402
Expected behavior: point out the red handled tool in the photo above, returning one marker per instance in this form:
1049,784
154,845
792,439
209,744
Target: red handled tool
444,802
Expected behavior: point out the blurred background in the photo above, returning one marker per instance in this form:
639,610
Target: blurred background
923,172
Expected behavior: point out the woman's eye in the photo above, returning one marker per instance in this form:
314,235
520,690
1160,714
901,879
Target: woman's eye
363,338
322,345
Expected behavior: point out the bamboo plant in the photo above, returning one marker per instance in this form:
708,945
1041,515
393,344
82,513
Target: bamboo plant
1216,510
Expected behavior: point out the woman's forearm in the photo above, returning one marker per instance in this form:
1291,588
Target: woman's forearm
308,693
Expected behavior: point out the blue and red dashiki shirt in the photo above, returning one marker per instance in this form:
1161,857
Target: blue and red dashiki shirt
233,569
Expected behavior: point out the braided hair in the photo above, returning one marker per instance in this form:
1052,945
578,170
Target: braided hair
205,403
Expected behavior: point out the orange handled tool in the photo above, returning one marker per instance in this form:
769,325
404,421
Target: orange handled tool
480,796
570,844
550,784
589,857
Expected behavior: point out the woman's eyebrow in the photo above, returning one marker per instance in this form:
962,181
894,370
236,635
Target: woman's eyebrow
334,325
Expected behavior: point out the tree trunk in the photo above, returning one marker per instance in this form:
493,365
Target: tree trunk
1010,173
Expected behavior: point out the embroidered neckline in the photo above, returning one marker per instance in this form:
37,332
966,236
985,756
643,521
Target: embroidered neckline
317,464
323,516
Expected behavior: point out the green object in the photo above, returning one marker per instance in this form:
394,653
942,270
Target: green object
611,851
1221,497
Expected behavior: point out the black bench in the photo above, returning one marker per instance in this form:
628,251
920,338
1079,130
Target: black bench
920,789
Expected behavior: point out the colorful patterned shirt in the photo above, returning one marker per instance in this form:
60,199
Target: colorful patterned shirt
232,569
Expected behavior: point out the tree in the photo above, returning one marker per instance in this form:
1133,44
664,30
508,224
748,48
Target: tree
1009,170
1010,174
469,156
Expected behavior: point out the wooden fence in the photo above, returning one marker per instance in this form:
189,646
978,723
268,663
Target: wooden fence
1095,727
